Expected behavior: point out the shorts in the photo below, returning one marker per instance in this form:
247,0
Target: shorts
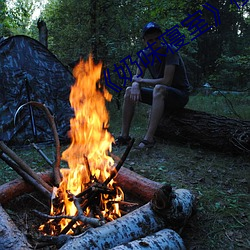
174,100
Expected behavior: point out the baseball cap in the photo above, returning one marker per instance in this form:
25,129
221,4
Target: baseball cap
150,25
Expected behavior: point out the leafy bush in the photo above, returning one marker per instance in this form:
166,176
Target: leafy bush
232,72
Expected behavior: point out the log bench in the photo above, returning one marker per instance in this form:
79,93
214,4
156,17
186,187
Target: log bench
211,131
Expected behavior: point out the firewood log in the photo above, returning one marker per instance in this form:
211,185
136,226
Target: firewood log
10,237
131,182
139,223
150,218
163,239
18,187
137,185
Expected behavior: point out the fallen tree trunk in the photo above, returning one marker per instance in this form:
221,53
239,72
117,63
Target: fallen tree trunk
163,239
150,218
10,237
212,131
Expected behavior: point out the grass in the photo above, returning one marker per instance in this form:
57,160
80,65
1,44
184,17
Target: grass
234,106
219,180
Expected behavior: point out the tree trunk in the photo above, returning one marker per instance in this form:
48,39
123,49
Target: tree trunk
212,131
10,237
43,32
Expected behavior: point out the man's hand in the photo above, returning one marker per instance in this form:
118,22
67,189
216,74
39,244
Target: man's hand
135,93
137,79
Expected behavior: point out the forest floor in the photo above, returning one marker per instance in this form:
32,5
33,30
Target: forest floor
219,180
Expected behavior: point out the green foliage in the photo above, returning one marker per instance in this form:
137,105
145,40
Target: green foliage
19,16
232,71
4,24
111,30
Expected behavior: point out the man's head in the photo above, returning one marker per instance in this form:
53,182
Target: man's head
150,33
149,28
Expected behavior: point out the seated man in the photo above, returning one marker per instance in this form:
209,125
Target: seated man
168,89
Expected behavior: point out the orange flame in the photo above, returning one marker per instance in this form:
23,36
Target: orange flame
90,137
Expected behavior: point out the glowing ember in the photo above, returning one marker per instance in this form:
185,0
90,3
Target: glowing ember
88,155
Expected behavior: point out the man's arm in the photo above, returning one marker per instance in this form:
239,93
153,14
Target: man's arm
167,79
135,93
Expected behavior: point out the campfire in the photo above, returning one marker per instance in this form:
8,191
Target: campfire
87,188
87,198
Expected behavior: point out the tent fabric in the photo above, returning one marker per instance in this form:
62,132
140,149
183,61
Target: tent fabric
29,71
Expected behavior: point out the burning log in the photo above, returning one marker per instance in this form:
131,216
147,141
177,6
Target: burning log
165,210
10,237
138,223
80,217
163,239
216,132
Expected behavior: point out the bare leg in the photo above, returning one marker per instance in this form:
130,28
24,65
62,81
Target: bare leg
127,113
156,112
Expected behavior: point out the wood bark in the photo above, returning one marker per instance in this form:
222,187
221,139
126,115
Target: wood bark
165,210
131,182
136,185
18,187
139,223
163,239
10,237
212,131
43,32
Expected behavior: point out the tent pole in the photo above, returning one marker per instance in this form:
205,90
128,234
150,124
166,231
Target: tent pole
33,125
